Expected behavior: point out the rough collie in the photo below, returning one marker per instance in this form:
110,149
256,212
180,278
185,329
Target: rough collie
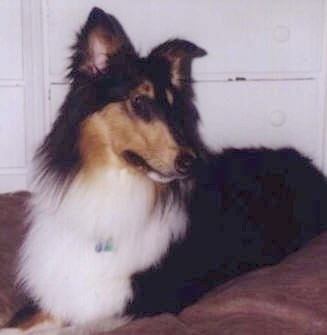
132,215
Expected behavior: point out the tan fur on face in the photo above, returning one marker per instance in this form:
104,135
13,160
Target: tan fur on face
105,135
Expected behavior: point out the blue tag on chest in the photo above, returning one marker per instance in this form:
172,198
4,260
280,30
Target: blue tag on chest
105,246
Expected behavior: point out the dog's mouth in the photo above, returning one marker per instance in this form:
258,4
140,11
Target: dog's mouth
153,173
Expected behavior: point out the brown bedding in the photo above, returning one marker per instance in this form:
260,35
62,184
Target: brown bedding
290,298
11,232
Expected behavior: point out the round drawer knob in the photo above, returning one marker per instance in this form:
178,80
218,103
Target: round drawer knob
277,118
282,34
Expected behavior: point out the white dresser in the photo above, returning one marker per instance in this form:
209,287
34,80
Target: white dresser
262,83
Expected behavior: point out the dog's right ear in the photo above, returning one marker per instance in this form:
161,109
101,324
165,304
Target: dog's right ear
100,38
179,54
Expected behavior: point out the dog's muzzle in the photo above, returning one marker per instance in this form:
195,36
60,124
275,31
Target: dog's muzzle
183,165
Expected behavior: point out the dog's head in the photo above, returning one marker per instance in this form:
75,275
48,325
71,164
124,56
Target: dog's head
125,110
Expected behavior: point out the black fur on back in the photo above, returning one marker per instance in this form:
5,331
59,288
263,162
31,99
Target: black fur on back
249,208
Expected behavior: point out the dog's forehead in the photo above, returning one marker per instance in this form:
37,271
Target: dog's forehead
155,70
133,76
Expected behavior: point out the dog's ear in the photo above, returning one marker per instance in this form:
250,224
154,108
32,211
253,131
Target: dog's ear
179,54
100,38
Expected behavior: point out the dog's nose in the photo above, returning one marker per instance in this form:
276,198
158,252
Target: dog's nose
184,162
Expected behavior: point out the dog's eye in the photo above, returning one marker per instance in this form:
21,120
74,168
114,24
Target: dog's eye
137,101
134,159
142,107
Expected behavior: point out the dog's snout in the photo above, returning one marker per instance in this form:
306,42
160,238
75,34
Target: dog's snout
184,163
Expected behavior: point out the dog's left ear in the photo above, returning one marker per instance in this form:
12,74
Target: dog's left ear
101,37
179,54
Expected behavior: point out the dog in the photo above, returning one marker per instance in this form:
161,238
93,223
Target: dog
132,215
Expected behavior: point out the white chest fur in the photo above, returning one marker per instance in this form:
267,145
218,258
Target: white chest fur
59,265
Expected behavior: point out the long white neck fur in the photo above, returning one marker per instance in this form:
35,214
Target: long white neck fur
59,266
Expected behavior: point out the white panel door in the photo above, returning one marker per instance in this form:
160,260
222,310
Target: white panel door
11,55
12,127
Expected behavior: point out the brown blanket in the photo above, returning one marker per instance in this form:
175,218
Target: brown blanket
290,298
11,233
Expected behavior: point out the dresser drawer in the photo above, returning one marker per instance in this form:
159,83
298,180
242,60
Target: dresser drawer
273,114
239,35
12,182
11,55
12,128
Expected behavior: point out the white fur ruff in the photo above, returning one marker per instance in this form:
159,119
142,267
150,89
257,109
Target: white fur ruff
59,266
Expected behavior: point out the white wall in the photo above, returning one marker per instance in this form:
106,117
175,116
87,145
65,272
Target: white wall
278,46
